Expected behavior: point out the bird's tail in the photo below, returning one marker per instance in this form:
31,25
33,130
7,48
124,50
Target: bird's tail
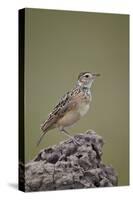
41,137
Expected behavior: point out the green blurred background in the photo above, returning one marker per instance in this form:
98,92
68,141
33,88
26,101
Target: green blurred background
58,46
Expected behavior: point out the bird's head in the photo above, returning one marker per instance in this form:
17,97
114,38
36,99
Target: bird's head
85,79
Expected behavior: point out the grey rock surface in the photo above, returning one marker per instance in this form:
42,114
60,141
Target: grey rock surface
69,165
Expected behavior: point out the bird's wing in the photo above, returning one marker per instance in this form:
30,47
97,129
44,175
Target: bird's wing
65,104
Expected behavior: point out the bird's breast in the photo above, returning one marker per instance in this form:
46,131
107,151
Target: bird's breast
83,108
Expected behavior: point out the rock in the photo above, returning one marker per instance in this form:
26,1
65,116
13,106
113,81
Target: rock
69,165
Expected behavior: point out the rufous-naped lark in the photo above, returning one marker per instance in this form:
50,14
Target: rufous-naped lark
71,107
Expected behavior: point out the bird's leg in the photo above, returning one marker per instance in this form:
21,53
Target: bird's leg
68,135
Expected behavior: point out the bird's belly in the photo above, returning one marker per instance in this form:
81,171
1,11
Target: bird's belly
69,119
83,108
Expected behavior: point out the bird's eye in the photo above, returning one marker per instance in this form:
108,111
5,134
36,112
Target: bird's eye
86,76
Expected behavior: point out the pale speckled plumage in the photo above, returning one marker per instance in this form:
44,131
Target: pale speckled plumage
72,106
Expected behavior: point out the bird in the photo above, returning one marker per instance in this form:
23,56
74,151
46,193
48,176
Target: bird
71,106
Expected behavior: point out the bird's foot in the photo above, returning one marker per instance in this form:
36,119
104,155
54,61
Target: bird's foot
68,135
90,131
76,142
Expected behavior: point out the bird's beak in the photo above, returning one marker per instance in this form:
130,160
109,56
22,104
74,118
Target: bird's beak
95,75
